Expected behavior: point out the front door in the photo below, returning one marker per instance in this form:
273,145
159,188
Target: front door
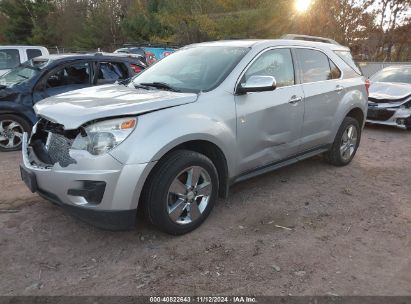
71,77
269,123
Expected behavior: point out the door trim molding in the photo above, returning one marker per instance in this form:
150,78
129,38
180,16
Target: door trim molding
279,164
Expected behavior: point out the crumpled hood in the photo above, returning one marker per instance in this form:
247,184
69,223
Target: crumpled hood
385,91
75,108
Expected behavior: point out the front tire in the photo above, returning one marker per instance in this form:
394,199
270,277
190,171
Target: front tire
11,132
181,192
345,144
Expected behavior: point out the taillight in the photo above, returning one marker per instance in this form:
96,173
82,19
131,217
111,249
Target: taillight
136,68
367,86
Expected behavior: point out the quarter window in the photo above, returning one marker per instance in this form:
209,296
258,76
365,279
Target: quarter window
315,66
277,63
335,71
346,56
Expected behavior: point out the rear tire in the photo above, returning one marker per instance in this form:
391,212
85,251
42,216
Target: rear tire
181,192
345,144
11,132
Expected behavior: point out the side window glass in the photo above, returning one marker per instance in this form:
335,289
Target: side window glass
33,53
110,72
335,71
76,74
314,64
9,58
69,78
277,63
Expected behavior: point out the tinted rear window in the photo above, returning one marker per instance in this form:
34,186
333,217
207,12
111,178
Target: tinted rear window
9,58
314,64
346,56
33,53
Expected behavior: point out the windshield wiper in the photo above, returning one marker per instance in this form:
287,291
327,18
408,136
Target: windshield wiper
139,86
23,76
159,85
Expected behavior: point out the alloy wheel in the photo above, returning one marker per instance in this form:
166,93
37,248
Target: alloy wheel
348,142
11,134
188,195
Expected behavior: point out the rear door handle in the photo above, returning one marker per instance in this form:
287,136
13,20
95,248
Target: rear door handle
339,88
295,99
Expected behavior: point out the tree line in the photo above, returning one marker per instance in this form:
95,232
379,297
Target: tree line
374,29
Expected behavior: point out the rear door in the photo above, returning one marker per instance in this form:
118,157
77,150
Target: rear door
269,123
323,91
109,72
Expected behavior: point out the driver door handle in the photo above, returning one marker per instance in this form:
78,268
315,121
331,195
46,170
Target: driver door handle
295,99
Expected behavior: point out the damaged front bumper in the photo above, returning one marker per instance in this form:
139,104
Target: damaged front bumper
98,189
391,116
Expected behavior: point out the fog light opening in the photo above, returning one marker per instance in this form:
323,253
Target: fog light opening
401,121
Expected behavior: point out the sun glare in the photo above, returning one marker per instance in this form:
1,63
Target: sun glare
302,5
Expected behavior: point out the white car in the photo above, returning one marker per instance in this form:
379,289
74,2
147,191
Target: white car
12,55
389,102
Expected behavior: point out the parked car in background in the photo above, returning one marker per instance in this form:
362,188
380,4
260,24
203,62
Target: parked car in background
11,56
47,76
389,102
151,54
184,130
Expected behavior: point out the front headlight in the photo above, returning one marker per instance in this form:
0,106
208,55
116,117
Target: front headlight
101,137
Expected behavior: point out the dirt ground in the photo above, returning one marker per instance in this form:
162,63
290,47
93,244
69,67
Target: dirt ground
349,233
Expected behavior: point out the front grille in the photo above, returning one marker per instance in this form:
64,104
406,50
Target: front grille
58,147
380,114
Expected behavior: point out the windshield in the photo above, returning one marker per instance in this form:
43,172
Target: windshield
23,72
193,69
402,75
9,58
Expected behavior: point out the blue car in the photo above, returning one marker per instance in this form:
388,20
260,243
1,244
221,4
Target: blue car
47,76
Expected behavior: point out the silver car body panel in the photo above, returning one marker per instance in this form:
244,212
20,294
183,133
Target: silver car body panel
120,179
252,131
106,101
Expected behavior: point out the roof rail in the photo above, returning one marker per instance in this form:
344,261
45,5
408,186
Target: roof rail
309,38
148,44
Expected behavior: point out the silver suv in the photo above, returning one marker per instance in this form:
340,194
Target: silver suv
180,133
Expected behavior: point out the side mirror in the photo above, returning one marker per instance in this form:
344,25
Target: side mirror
257,84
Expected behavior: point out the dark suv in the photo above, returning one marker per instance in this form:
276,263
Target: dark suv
47,76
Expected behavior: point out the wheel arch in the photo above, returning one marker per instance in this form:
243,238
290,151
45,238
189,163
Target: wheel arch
213,152
358,114
19,110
